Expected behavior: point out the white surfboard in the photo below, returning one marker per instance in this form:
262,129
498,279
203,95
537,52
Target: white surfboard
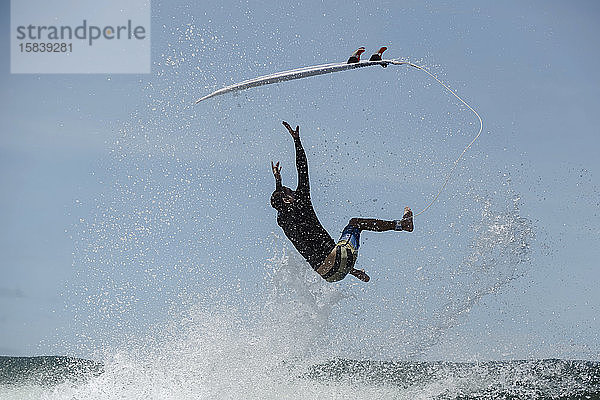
298,74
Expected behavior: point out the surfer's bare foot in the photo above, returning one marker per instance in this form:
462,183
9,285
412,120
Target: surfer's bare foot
407,220
360,274
406,223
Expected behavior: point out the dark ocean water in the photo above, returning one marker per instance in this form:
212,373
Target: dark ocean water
46,370
534,379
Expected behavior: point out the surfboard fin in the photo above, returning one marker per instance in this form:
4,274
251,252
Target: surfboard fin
378,56
355,57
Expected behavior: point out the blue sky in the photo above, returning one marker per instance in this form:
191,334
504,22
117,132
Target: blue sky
118,185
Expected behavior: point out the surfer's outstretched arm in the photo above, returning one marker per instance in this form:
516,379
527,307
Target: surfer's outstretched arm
301,161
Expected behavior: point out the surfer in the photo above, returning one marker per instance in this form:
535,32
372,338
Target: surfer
297,218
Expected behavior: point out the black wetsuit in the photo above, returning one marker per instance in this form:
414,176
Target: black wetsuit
299,220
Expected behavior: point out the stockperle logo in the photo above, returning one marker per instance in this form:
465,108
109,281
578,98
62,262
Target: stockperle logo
85,36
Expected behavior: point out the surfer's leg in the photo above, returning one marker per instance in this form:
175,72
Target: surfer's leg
379,225
372,224
360,274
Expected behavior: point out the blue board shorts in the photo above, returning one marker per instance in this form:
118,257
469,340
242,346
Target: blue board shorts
342,258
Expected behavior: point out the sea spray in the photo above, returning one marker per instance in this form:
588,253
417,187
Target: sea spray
216,352
217,349
500,253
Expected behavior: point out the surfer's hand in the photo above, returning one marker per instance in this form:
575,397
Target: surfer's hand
295,133
276,170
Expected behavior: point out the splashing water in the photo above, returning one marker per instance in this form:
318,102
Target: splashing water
501,252
272,348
